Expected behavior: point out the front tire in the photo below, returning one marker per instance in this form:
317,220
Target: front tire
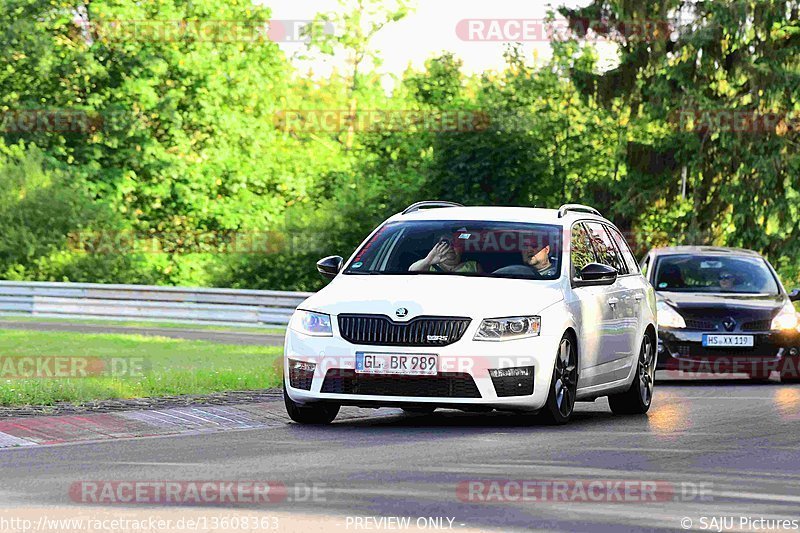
637,399
563,384
317,413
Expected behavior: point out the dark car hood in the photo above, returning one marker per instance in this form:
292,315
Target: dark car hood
746,311
692,300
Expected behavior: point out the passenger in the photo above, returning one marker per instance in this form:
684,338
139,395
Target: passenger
444,257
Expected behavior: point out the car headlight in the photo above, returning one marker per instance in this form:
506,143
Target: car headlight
311,323
669,317
505,329
785,319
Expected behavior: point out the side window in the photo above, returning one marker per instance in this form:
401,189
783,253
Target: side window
624,249
605,248
582,251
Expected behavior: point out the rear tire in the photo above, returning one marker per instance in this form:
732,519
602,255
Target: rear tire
315,413
563,385
637,399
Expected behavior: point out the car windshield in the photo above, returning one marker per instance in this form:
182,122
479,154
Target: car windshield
715,273
464,248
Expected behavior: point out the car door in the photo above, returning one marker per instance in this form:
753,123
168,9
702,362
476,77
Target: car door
590,309
615,360
635,286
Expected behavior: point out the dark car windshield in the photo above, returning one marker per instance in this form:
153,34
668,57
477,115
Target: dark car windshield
465,248
715,274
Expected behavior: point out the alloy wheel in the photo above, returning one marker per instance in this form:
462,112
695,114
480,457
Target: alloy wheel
566,376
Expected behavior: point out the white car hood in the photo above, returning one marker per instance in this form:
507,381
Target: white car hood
442,295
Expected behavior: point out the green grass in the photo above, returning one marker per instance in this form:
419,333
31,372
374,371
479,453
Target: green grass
266,330
172,366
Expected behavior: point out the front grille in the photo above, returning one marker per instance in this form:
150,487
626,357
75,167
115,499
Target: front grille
696,350
757,325
443,385
380,330
700,325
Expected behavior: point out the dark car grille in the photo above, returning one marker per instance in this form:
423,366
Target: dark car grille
380,330
700,325
696,350
758,325
443,385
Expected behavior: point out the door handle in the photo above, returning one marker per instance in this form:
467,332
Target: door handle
613,301
638,296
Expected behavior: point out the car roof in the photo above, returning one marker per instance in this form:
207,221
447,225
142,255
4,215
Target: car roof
498,214
707,250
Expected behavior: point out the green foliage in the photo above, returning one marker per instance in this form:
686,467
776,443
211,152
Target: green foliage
184,135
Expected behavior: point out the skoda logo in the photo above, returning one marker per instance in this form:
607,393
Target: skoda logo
401,312
729,323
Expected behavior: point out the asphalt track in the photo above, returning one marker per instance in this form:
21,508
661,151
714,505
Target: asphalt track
727,449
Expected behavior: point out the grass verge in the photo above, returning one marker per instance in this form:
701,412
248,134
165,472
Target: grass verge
169,367
265,330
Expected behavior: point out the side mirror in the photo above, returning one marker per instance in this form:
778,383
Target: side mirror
794,296
330,266
596,274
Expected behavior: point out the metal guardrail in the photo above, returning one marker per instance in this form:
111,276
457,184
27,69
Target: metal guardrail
230,307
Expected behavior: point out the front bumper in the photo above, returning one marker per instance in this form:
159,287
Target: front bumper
680,349
463,379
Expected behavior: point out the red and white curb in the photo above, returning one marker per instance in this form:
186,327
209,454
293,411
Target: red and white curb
43,430
92,427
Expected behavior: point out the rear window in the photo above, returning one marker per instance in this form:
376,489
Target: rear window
715,274
466,248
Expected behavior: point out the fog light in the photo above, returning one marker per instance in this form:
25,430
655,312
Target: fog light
301,374
793,352
511,372
516,381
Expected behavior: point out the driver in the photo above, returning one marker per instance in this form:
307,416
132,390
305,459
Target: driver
540,260
727,281
444,257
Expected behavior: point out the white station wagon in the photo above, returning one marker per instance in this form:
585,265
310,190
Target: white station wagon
477,308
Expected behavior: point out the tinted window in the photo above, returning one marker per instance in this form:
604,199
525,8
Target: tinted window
469,248
582,250
605,248
714,273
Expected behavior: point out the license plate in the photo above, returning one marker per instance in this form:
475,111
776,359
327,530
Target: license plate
393,363
728,341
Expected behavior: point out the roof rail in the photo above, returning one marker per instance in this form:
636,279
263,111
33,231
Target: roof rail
429,203
580,208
